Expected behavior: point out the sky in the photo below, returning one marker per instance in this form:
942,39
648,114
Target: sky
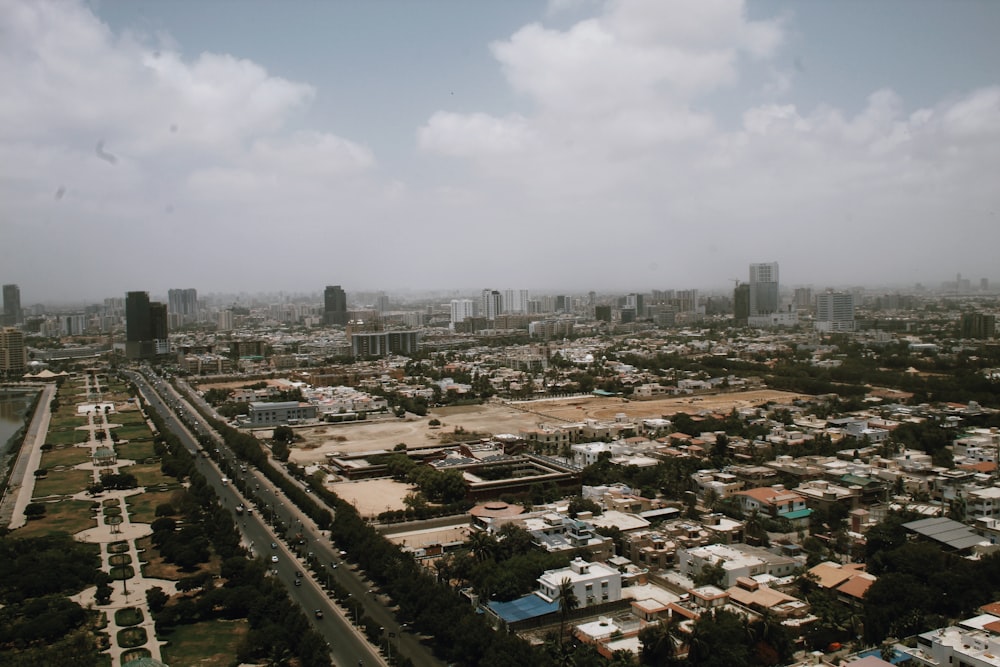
561,146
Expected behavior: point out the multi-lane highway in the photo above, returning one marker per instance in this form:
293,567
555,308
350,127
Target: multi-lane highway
347,646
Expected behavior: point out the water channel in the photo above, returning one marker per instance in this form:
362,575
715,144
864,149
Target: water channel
13,408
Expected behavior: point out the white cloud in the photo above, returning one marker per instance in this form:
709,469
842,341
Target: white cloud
624,141
626,161
467,135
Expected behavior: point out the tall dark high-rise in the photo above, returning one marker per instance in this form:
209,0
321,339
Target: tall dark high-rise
334,305
741,304
11,306
978,325
145,325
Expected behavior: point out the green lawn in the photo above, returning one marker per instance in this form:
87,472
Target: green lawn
118,547
142,508
66,419
148,474
66,436
131,637
67,516
128,616
207,644
62,482
129,417
136,451
66,455
132,431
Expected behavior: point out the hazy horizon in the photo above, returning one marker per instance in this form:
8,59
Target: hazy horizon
565,146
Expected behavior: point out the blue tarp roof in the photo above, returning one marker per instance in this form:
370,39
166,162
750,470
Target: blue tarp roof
529,606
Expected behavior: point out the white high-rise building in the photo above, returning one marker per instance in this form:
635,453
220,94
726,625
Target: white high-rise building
515,301
763,288
492,304
835,311
461,310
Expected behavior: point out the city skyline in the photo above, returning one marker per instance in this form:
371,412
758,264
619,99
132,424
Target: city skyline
576,145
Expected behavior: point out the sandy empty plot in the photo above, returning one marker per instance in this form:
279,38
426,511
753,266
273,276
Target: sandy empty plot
373,496
495,418
596,407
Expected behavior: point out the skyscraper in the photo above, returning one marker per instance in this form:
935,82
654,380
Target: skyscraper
492,304
145,326
763,289
334,305
741,304
835,311
978,325
461,310
11,305
13,357
515,301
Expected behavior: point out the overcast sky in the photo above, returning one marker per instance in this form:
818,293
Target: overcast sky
565,146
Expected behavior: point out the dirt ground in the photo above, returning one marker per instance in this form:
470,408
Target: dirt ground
495,418
373,496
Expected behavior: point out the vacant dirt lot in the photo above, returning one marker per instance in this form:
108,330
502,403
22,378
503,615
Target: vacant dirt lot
373,496
496,418
595,407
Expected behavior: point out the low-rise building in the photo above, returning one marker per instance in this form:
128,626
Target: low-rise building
776,502
736,560
275,414
593,583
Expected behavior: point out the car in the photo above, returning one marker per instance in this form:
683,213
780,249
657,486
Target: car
318,613
298,574
274,559
273,545
298,582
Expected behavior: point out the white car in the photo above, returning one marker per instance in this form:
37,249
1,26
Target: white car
274,559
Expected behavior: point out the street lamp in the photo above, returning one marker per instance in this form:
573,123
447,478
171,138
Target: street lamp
388,646
354,607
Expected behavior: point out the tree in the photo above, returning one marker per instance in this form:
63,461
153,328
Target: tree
283,434
659,643
711,574
34,511
719,639
482,545
581,504
280,450
567,603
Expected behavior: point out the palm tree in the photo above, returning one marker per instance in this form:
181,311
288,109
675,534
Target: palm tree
482,545
567,603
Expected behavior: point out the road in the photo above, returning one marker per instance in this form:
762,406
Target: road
347,646
375,606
